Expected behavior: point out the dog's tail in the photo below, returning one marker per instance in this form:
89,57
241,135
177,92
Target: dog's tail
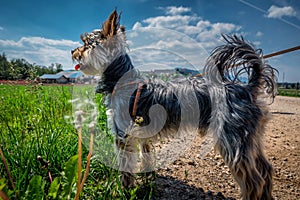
237,62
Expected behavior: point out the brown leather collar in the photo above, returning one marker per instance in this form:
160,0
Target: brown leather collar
136,99
137,95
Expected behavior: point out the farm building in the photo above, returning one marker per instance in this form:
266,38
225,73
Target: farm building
53,78
72,75
62,77
66,76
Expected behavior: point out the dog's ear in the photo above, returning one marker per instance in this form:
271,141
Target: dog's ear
111,25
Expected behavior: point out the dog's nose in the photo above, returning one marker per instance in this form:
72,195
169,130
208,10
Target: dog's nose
72,51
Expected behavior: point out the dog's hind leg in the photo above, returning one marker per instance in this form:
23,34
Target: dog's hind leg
248,165
266,171
127,156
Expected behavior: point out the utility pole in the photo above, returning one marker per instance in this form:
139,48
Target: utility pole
283,84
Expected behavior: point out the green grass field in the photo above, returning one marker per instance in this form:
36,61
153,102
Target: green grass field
289,92
35,121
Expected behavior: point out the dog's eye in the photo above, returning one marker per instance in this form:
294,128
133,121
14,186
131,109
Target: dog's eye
89,42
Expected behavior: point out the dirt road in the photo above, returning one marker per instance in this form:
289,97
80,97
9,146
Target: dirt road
191,177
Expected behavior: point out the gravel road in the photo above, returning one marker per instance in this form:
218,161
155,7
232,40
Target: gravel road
192,177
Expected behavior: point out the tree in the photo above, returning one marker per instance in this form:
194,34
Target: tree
21,69
59,67
4,66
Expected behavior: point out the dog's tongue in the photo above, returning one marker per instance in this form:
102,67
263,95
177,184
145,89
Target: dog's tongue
77,67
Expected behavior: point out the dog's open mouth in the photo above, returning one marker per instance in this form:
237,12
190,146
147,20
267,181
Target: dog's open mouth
85,68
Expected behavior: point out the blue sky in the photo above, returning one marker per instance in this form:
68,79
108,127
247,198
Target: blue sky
161,34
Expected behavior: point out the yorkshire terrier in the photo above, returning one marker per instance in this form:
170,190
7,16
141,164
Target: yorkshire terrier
233,110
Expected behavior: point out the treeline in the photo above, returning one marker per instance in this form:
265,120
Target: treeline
20,69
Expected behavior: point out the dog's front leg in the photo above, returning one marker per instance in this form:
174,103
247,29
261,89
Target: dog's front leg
127,157
148,161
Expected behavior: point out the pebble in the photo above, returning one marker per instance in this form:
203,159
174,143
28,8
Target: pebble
219,194
232,184
193,163
209,192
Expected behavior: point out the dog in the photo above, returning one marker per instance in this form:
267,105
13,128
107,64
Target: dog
234,111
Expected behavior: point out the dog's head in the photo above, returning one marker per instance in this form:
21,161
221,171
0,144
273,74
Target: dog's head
101,47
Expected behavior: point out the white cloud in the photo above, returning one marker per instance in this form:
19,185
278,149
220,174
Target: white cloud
259,34
203,24
39,50
136,26
257,43
203,31
173,10
9,43
176,39
224,27
279,12
48,42
209,34
38,41
159,47
169,21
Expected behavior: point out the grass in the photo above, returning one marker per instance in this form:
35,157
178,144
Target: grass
289,92
33,123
